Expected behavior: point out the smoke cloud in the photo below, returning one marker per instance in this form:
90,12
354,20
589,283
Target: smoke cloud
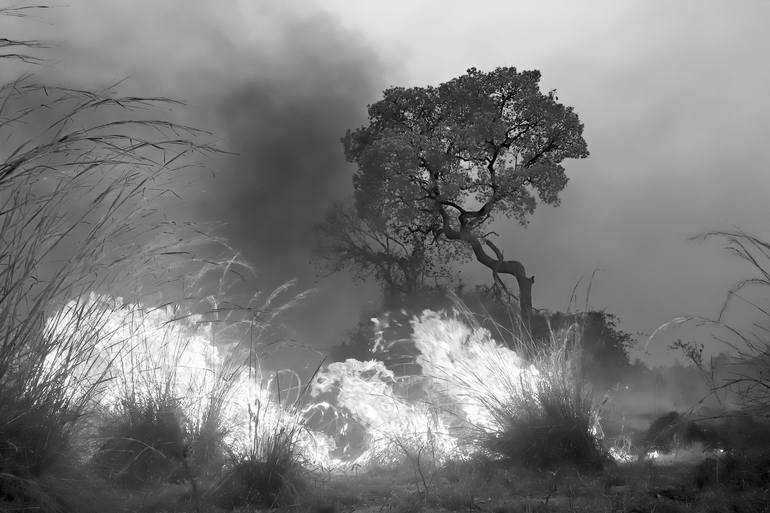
276,85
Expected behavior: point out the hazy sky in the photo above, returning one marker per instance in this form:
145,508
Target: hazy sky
673,95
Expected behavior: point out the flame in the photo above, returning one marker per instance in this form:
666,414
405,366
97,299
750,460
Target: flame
466,378
394,426
470,368
161,352
138,349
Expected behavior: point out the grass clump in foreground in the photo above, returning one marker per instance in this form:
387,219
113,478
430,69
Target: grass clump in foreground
554,421
144,443
162,411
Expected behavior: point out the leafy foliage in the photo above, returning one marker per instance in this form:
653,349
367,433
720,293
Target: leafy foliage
489,138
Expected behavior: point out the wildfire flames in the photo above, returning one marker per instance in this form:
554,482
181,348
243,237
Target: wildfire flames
351,414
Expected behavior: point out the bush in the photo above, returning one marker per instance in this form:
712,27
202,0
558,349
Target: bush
734,471
259,484
673,430
144,443
40,468
553,427
268,451
33,440
553,422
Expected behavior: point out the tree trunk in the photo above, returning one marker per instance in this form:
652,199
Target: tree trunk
501,266
525,300
497,263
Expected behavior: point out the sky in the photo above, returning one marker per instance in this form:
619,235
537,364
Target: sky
673,96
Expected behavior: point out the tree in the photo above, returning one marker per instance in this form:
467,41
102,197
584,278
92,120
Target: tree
445,161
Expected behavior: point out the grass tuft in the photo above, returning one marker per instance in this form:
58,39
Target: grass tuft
144,443
268,471
554,422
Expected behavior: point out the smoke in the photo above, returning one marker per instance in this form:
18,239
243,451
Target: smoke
277,85
286,130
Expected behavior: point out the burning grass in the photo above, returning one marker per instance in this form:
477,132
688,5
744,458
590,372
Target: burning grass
472,395
80,219
52,253
536,412
174,407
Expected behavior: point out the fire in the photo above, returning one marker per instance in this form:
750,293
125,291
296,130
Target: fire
142,352
394,427
467,378
139,349
470,369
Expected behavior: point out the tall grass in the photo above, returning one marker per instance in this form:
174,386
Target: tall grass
473,395
267,466
747,372
78,213
177,382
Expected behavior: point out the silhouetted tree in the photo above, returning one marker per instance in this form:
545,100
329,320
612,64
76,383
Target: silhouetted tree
445,160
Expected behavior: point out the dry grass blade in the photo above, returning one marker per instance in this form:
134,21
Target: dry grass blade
746,373
121,141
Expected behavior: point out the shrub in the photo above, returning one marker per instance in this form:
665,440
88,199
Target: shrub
673,430
553,426
144,443
552,421
734,471
260,484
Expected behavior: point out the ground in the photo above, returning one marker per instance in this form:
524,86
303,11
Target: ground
698,485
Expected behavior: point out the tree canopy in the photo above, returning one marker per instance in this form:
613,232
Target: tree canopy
443,162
